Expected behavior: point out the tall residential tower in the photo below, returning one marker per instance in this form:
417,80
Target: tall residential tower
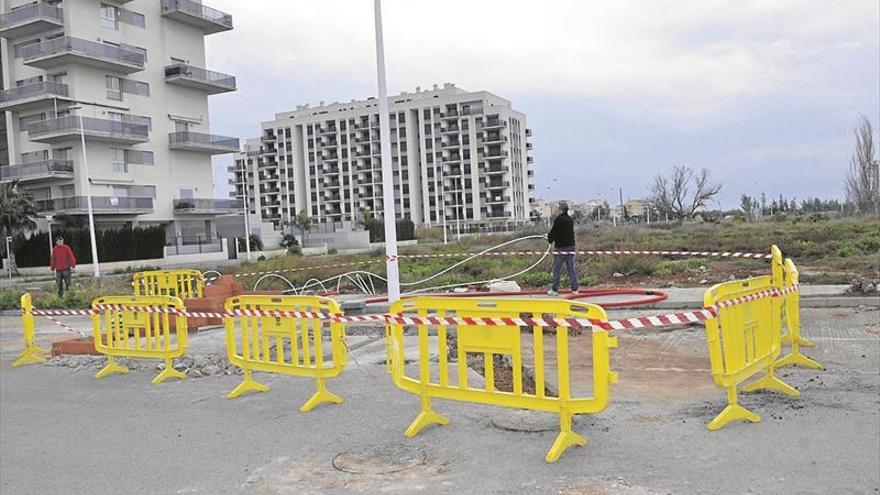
456,153
125,79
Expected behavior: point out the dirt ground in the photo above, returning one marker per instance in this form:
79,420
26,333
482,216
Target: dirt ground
61,431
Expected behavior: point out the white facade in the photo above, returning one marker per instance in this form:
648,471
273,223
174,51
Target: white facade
458,153
128,75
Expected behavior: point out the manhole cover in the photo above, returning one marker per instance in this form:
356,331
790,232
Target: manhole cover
524,420
379,460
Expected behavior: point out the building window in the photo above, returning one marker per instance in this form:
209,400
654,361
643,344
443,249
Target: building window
117,161
27,120
109,16
114,88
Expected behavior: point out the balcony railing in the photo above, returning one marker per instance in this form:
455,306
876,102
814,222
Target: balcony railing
31,94
208,80
56,51
196,14
196,141
100,204
30,19
37,170
207,206
98,129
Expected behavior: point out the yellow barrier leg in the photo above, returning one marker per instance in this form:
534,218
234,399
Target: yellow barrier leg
168,372
30,355
248,385
426,417
771,382
111,368
566,438
795,358
788,338
322,396
732,412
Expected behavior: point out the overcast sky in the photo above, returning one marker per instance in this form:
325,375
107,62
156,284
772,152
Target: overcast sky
764,94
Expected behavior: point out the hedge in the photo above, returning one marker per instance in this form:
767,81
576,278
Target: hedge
125,244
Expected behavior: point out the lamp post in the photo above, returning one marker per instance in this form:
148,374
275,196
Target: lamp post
82,135
392,272
247,225
49,222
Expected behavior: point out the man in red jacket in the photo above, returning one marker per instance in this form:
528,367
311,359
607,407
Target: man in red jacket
62,262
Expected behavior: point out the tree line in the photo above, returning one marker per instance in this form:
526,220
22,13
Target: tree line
684,192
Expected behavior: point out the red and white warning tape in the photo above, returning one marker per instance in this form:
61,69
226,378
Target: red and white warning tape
384,319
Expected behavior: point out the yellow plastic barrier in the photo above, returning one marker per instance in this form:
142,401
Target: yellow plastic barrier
500,340
792,308
139,327
184,284
743,340
31,352
286,344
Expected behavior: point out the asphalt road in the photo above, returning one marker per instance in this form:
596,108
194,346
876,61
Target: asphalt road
61,431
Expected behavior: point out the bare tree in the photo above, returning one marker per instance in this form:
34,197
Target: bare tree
683,192
863,180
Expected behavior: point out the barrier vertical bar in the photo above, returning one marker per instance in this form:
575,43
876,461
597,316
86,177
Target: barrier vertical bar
791,308
31,351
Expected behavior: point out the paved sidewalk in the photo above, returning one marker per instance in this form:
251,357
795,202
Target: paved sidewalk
61,431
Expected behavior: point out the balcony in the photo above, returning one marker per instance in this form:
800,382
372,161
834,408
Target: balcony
494,123
68,128
202,79
528,133
195,14
204,143
46,169
29,20
494,139
494,154
32,96
76,205
205,206
69,50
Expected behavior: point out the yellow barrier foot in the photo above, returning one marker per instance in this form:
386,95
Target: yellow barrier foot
28,357
797,359
112,367
565,440
248,385
166,374
801,341
770,382
732,412
320,397
425,419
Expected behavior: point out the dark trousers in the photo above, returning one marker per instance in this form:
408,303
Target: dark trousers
568,259
62,279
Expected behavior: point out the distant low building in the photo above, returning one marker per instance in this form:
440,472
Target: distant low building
636,207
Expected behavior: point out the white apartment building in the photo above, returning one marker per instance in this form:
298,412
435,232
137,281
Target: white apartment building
456,153
125,79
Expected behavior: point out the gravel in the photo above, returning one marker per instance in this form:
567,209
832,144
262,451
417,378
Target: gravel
194,367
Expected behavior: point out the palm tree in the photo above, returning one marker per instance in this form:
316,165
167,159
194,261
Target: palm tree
16,212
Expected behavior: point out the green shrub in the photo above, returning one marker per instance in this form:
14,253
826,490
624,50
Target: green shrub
10,299
536,278
292,251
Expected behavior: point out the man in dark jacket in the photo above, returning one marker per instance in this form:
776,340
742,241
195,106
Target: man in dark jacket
62,262
562,236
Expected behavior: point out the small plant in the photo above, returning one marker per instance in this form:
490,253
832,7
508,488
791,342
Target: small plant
288,241
294,250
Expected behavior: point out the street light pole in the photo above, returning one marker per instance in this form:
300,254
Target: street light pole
82,135
247,224
49,222
387,177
